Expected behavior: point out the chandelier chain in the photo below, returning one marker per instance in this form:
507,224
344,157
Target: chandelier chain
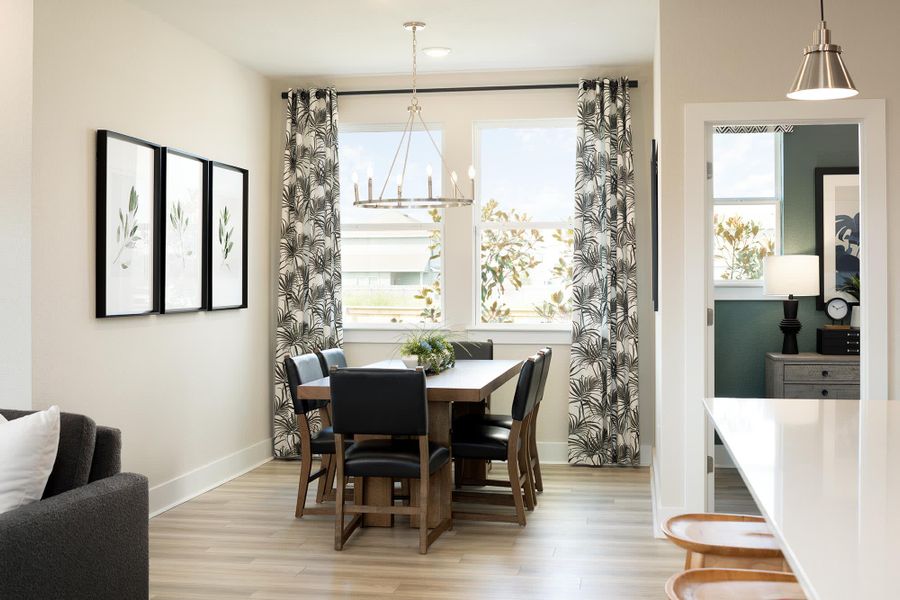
415,100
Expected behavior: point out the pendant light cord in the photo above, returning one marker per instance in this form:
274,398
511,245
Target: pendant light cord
822,10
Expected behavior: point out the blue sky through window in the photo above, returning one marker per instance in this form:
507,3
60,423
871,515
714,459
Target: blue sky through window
531,169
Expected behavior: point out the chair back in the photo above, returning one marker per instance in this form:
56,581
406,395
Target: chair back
526,388
548,354
300,370
379,401
333,357
473,350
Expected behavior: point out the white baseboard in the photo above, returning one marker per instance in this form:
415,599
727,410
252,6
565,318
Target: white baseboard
557,453
553,453
661,513
180,489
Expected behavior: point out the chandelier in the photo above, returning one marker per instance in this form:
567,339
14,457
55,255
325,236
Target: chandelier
456,198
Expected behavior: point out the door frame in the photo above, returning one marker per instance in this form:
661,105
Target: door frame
699,119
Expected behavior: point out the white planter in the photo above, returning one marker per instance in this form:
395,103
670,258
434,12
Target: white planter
410,362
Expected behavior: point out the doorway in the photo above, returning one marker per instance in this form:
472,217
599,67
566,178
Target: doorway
700,122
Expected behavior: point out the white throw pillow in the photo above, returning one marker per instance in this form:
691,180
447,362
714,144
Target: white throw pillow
28,448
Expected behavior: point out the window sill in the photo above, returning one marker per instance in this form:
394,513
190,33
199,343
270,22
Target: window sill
388,333
742,292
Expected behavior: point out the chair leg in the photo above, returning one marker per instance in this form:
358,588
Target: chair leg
423,515
513,467
457,474
322,489
528,485
305,468
534,459
339,511
329,478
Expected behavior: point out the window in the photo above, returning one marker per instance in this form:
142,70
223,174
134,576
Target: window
526,219
747,196
390,259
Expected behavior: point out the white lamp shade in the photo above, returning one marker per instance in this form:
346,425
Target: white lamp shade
796,274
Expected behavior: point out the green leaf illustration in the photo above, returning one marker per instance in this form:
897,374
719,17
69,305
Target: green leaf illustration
126,232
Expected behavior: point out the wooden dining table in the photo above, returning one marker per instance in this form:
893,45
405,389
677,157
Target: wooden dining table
470,382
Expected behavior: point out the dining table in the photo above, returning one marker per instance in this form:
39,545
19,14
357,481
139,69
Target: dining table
469,383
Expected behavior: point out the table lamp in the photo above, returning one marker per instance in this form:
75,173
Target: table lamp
791,275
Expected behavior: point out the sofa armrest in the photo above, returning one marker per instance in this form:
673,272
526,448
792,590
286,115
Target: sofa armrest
90,542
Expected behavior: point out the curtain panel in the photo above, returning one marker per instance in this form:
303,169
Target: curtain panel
308,296
603,372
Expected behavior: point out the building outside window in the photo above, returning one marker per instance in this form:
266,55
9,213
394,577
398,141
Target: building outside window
391,259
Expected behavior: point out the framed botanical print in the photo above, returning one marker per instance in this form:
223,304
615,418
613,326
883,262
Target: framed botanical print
128,196
183,261
227,243
837,232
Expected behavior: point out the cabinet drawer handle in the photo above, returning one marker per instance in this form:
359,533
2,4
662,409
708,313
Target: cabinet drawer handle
824,393
824,373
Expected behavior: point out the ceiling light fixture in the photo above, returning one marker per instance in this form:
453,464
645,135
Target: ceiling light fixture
822,74
436,51
457,198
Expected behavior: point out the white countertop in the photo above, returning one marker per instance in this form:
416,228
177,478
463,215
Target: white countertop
826,475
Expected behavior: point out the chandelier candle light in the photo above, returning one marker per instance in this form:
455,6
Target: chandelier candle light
457,198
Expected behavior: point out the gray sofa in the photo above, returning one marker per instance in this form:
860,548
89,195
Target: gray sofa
87,538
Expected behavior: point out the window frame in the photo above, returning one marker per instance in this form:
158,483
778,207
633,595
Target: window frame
479,225
751,289
368,227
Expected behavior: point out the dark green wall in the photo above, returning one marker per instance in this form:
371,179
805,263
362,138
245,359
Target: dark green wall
746,330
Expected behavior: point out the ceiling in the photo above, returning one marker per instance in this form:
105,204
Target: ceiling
360,37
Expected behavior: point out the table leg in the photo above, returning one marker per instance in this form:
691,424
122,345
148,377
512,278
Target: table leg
470,471
377,491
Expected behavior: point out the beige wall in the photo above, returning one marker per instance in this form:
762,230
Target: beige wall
186,390
455,113
16,26
712,51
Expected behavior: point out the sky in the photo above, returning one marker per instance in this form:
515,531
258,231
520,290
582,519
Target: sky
531,169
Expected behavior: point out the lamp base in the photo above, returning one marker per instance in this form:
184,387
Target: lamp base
790,326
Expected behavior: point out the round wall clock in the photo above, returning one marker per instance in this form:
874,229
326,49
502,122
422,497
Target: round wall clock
837,309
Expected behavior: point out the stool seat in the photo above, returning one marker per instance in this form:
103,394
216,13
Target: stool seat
733,584
723,534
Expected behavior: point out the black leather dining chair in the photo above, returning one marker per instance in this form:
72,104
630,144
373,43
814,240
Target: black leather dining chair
384,402
466,350
300,370
481,440
333,357
473,350
501,420
534,460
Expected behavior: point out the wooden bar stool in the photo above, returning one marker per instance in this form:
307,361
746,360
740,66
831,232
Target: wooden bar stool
729,541
733,584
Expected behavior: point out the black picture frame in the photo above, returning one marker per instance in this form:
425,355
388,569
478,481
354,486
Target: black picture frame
102,309
212,238
654,220
820,174
205,232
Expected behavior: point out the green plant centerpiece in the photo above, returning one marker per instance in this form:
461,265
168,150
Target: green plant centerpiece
431,350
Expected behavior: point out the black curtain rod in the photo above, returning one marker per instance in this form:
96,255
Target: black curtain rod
476,88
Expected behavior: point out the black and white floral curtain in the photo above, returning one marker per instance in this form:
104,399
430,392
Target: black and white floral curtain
308,309
603,372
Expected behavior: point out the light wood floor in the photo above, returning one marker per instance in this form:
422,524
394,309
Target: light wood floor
590,537
732,495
